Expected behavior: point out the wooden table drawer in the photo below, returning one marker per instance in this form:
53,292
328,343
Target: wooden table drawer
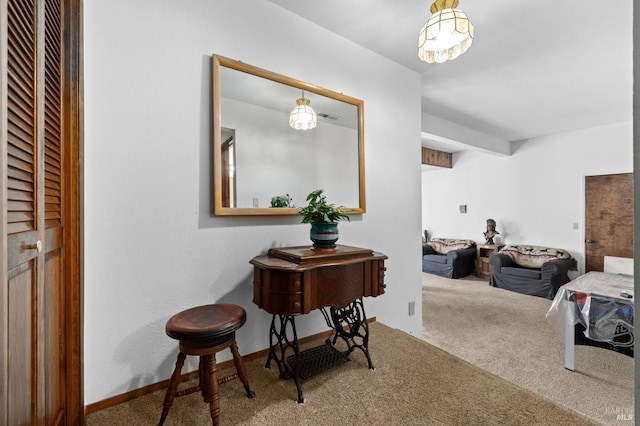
285,304
281,282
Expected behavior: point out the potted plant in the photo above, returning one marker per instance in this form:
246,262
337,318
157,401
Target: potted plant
323,218
281,201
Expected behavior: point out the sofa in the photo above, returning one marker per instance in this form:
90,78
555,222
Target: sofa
448,257
533,270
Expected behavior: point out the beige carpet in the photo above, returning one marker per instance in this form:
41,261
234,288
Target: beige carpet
414,384
507,334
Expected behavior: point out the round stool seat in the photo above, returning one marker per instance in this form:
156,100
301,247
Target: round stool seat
206,322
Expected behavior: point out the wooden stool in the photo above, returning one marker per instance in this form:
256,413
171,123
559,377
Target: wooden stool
203,331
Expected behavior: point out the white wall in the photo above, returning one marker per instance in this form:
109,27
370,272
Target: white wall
152,247
535,195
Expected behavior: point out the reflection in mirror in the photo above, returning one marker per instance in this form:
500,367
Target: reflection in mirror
258,156
228,168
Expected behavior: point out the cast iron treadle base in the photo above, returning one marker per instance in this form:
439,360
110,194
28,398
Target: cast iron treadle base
316,359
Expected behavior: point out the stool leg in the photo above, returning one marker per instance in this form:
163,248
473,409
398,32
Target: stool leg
203,373
242,373
210,388
173,387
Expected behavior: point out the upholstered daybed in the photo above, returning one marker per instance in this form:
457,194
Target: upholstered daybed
533,270
449,258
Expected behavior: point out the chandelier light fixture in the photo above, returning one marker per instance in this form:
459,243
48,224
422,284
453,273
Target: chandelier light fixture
302,116
446,35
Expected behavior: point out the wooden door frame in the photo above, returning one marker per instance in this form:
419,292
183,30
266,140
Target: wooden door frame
73,107
4,296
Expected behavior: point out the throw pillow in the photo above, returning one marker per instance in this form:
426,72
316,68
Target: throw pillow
445,245
533,256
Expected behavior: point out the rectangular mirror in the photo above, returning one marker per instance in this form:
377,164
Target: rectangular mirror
258,157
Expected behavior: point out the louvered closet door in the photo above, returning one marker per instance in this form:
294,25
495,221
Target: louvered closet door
35,279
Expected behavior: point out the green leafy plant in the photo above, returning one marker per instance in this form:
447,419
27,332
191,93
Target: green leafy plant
320,211
281,201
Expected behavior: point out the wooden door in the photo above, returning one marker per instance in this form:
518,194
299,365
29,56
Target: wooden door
609,218
40,308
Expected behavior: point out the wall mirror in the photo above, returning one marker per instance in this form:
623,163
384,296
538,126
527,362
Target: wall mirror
258,156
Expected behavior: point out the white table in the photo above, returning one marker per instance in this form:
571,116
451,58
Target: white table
596,301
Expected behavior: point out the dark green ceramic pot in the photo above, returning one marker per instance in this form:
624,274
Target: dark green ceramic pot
324,235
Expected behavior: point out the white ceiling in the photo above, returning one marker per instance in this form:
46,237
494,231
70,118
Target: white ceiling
535,68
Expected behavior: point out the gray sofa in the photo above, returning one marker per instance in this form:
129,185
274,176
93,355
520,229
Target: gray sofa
449,258
533,270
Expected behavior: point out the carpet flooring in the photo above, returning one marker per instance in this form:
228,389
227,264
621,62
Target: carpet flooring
506,333
414,383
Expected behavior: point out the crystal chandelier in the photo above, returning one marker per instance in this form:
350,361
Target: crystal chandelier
446,35
302,116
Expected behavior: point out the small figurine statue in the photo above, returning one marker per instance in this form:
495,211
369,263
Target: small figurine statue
490,232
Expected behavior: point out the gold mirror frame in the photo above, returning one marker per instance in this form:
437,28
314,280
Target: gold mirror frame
220,210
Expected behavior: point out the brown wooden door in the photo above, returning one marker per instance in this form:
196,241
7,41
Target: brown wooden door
40,294
609,218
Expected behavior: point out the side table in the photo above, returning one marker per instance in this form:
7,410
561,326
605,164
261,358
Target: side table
484,252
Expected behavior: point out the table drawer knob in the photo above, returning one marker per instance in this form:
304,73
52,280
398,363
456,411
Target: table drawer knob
296,283
296,306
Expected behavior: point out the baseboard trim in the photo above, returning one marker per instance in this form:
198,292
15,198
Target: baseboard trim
136,393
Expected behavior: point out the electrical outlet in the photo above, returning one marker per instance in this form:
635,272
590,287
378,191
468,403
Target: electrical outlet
412,308
575,225
255,202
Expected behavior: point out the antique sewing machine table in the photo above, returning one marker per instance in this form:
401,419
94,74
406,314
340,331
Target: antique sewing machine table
293,281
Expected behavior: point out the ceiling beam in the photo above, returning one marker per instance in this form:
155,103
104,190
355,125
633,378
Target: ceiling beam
441,130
